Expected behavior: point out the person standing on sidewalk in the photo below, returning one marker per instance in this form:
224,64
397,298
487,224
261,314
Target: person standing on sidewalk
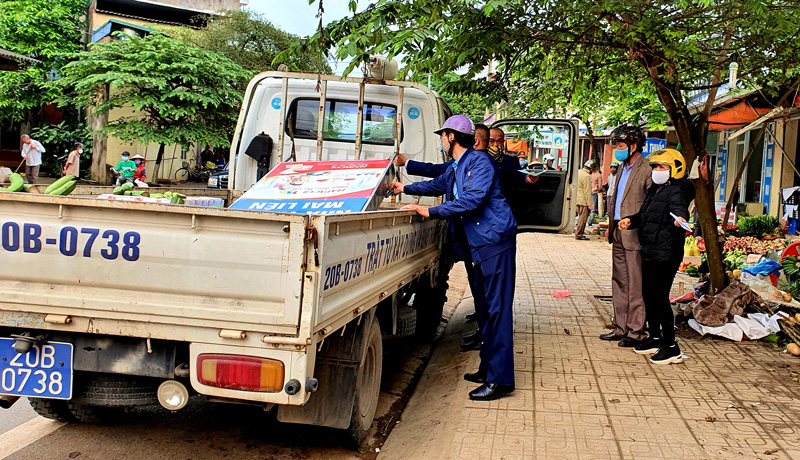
597,188
72,166
662,238
584,199
32,154
626,265
484,233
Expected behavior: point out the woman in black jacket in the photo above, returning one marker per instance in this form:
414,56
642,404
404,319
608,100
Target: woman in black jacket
662,238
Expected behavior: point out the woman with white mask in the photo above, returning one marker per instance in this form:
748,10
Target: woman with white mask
662,237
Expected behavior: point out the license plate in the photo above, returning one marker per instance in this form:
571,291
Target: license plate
43,372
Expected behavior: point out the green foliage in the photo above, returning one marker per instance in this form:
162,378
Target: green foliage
59,139
250,40
46,30
182,94
757,225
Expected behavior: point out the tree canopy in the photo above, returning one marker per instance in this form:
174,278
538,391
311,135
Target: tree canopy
46,30
170,92
250,40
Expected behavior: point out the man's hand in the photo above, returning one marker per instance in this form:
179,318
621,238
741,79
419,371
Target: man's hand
396,187
531,179
400,160
679,218
421,210
624,223
606,236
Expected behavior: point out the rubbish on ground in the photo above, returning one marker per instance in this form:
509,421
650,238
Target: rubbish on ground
755,404
710,418
561,293
770,451
720,309
729,331
683,298
794,349
567,331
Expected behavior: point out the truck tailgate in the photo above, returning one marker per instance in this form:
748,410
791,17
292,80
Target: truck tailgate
149,270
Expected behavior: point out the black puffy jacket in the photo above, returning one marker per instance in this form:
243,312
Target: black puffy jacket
660,238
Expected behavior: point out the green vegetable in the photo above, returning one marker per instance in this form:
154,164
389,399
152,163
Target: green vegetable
58,184
757,225
127,186
65,189
118,191
17,183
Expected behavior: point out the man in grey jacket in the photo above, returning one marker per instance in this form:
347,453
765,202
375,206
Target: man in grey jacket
630,188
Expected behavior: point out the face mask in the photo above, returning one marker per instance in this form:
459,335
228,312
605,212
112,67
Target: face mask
441,146
622,155
124,158
495,151
660,177
138,162
80,150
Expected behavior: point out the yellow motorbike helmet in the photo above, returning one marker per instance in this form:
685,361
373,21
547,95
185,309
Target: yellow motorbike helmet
672,158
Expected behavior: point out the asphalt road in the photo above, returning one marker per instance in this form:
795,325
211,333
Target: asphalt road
18,414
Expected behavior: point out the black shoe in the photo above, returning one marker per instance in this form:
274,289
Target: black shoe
472,342
668,355
476,377
648,346
490,392
611,336
628,342
472,316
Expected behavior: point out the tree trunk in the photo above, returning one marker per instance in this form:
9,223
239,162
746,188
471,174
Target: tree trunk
157,167
99,168
590,135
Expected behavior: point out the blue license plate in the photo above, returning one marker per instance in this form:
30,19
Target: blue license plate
43,372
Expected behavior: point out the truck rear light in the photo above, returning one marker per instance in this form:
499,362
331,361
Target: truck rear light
244,373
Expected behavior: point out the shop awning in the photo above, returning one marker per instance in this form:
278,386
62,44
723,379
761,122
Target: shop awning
757,123
737,115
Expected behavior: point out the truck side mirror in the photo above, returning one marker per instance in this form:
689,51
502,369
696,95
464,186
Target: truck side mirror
260,149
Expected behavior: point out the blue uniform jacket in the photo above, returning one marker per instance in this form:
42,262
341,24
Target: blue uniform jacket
489,226
507,170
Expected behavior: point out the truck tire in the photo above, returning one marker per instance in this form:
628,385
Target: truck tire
431,297
406,323
96,415
118,390
368,386
54,409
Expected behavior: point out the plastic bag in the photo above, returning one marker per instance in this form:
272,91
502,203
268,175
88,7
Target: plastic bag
139,183
729,331
561,293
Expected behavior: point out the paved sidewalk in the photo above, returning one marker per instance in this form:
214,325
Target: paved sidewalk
579,397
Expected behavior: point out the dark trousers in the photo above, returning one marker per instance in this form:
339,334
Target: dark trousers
481,311
626,288
657,278
31,173
496,276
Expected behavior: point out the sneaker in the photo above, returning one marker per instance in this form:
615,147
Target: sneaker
668,355
648,346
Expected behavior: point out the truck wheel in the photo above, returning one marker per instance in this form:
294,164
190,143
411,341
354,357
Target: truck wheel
95,415
406,323
54,409
368,386
118,390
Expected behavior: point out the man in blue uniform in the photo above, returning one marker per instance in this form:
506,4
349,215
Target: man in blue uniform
483,231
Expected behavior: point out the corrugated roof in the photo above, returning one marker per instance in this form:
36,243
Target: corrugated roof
17,57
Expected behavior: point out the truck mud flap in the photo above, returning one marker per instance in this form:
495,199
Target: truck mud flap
336,369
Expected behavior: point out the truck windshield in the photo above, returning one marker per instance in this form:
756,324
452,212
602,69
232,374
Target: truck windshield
341,120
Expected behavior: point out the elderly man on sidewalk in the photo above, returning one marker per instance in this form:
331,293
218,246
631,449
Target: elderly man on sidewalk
583,201
32,154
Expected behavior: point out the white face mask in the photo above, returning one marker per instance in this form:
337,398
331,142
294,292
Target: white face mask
660,177
80,150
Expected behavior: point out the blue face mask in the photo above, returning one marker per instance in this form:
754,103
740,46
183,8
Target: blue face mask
622,155
441,146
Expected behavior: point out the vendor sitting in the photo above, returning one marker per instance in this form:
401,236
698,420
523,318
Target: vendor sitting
125,168
140,175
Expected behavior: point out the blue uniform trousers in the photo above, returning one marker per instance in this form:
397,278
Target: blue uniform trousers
496,276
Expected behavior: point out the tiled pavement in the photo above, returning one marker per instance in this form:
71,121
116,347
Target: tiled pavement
578,397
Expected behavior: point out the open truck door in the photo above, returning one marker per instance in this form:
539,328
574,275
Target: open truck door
547,204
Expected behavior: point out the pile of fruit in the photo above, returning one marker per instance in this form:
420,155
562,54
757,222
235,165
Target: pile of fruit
127,189
690,269
63,186
751,245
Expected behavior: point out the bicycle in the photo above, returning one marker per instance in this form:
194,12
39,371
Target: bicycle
187,173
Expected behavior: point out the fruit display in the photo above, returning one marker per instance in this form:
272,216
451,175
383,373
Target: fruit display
752,245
